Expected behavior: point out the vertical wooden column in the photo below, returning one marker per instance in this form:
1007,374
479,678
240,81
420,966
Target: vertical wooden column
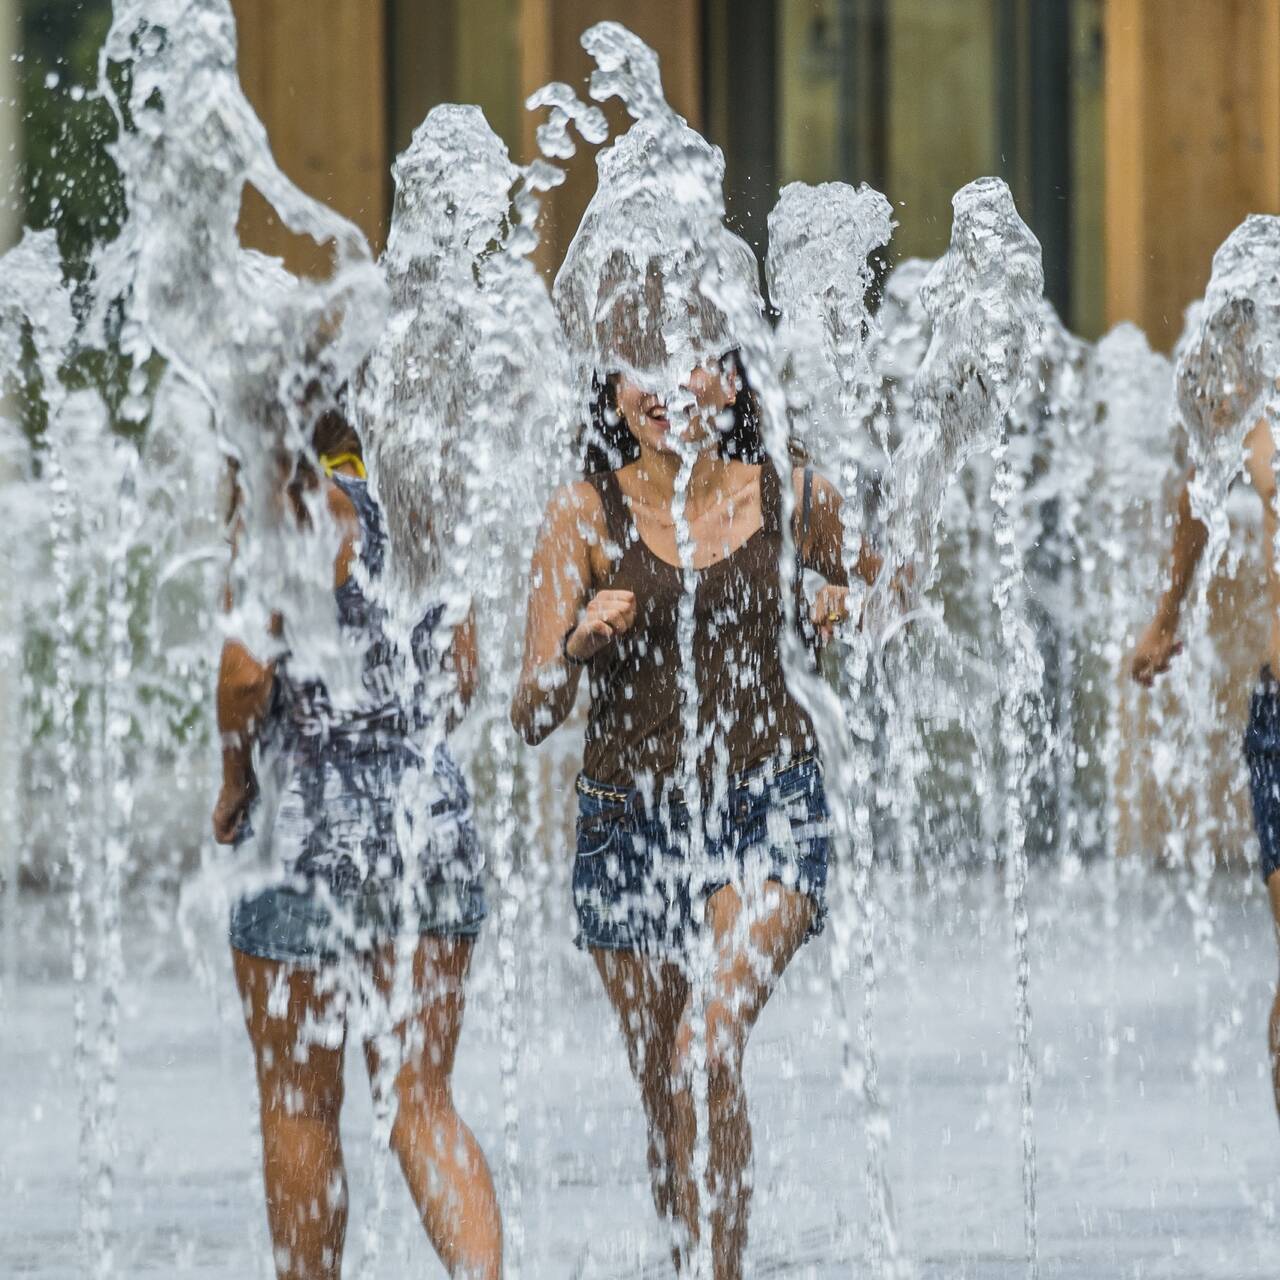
1192,145
316,73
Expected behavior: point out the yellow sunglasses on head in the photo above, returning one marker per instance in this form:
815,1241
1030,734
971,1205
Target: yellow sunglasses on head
332,461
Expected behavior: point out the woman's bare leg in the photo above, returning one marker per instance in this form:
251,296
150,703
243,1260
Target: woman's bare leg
751,951
300,1093
442,1162
649,997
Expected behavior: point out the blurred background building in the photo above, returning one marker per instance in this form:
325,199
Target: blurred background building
1135,133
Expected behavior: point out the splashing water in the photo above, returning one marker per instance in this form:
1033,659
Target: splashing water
983,299
467,387
820,244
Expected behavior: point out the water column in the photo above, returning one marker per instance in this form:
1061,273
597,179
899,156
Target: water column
458,404
983,299
252,339
634,295
35,307
1049,427
821,241
1129,398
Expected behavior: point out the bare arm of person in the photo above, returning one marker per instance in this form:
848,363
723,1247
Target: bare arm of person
343,513
823,551
463,659
244,685
244,691
1158,645
566,614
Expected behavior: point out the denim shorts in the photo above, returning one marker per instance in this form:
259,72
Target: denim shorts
1262,754
635,886
304,924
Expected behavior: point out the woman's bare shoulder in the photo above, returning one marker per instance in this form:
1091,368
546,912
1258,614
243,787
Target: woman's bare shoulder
574,506
341,509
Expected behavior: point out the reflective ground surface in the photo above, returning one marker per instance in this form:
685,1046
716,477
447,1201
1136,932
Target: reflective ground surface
1148,1166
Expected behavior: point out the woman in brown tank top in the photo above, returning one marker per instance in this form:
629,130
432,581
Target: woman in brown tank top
724,885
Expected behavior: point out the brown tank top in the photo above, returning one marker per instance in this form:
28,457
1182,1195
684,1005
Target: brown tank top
745,711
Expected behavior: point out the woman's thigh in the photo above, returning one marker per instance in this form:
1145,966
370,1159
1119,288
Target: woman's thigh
297,1024
428,1037
649,996
753,939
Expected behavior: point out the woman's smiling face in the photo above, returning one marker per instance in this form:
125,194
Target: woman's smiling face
713,387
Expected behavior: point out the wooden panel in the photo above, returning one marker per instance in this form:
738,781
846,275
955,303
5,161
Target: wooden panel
941,120
1192,145
421,37
1123,148
315,71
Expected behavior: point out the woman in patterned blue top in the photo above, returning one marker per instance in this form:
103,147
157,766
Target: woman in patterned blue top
367,834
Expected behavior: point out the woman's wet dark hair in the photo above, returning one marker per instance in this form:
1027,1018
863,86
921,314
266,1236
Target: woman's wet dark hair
607,443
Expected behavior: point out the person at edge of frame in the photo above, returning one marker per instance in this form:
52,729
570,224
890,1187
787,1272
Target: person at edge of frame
1159,645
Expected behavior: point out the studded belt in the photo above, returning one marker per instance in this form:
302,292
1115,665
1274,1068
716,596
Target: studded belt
675,795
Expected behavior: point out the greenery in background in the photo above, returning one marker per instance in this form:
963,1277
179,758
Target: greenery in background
69,181
69,184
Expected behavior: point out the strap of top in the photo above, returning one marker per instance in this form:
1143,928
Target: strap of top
617,519
806,507
770,497
372,534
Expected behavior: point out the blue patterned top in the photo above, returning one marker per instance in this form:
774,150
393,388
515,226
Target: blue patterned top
349,795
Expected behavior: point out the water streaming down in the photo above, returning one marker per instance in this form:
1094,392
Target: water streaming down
134,545
1130,395
459,404
821,244
262,345
35,307
1227,362
983,298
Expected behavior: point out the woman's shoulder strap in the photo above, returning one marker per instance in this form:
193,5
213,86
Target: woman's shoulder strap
806,506
372,534
770,495
616,517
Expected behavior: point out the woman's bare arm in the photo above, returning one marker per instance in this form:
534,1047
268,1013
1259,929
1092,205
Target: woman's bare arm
1158,645
823,549
243,695
562,603
463,659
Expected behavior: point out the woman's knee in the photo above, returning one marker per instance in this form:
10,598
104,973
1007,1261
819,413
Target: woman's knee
720,1055
301,1096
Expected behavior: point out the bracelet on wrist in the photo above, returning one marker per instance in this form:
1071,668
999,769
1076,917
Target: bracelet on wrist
566,655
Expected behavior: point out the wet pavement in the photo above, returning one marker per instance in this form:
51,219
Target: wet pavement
1159,1151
